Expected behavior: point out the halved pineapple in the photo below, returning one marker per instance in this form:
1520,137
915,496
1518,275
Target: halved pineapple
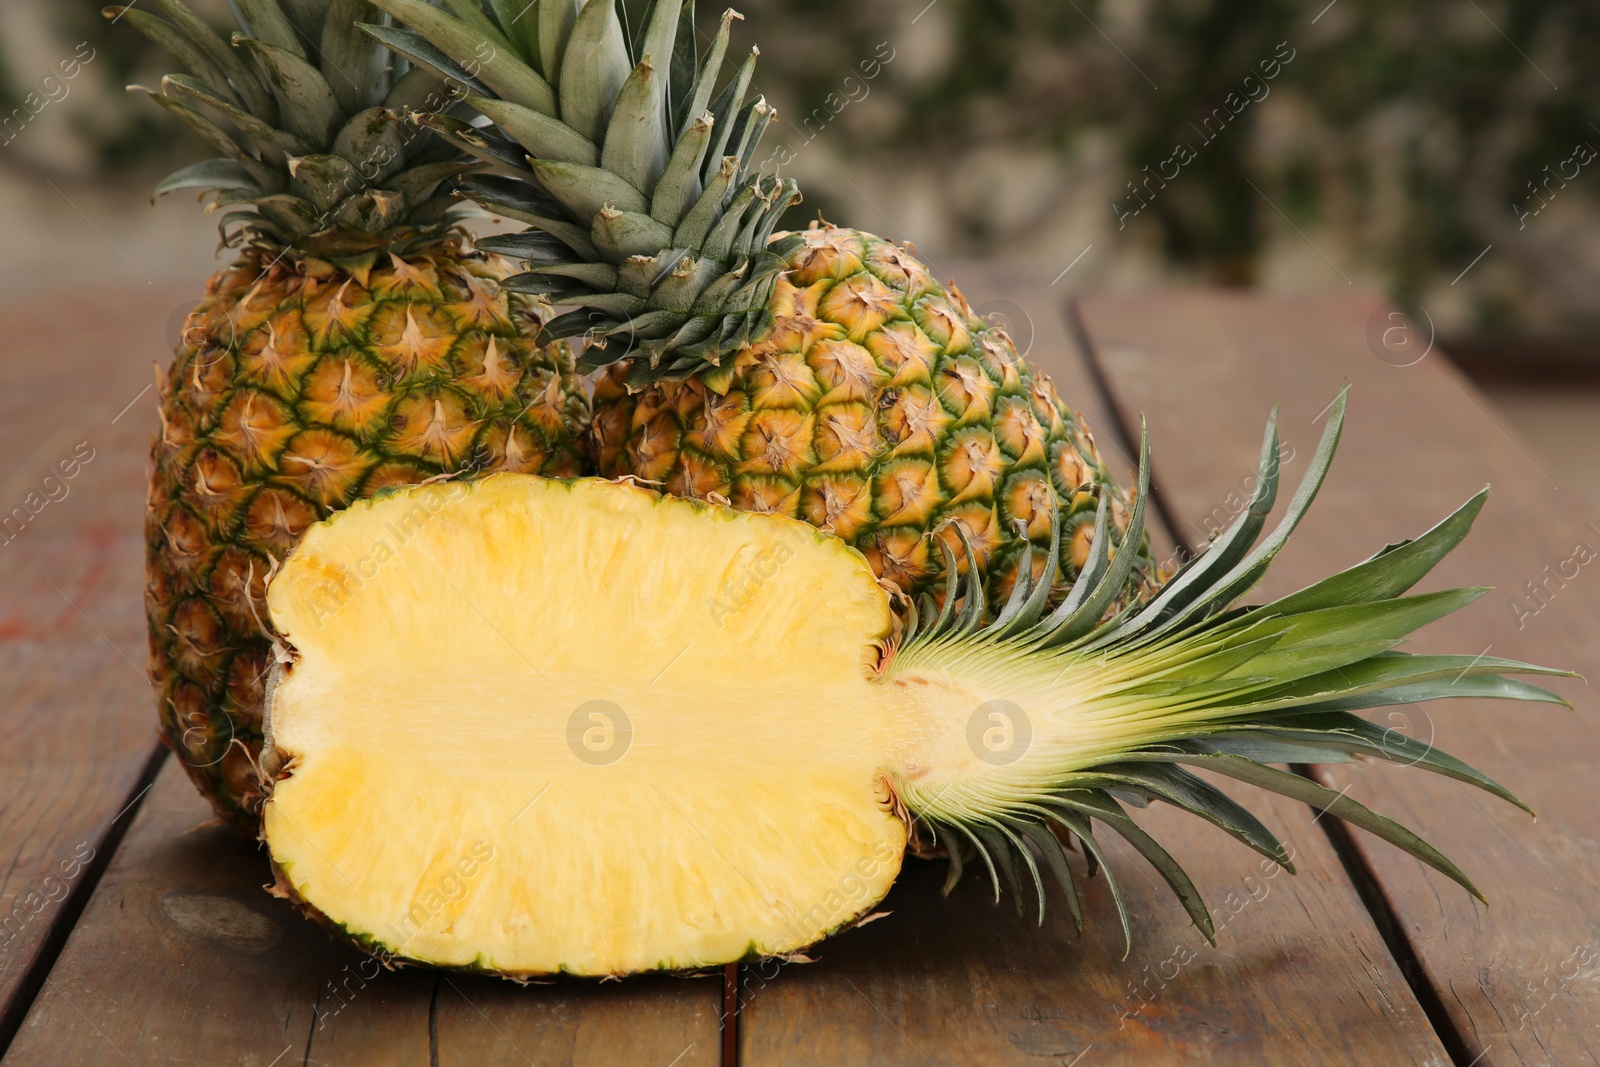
532,726
538,726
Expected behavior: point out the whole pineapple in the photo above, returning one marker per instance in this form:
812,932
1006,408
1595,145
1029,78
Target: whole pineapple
824,375
878,407
358,341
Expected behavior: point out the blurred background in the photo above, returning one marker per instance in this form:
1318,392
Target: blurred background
1444,152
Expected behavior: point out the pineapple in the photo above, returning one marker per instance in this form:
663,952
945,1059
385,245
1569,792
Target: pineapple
358,342
823,375
515,744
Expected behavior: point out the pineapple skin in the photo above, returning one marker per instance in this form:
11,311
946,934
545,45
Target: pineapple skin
878,407
297,388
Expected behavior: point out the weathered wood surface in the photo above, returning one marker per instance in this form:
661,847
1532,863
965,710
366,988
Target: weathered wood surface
182,957
77,730
1300,974
1519,981
179,956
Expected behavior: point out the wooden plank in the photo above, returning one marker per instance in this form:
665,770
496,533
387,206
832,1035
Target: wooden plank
1300,974
78,731
182,957
180,954
485,1022
1514,983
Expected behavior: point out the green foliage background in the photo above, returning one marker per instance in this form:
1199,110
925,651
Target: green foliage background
1398,140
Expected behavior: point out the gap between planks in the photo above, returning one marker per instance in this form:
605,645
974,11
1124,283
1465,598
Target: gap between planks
62,923
1355,865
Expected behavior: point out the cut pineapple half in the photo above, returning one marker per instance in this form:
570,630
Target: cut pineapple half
532,727
538,726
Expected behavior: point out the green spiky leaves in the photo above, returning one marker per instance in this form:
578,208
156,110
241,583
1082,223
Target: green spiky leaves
1122,710
645,220
304,111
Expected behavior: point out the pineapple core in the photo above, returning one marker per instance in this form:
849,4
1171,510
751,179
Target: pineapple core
535,727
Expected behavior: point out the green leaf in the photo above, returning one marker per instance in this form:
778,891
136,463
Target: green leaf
475,141
419,88
619,235
352,61
486,57
1318,644
1056,859
1085,834
263,133
1362,736
1248,572
661,35
473,17
268,23
1382,673
1202,574
1108,811
999,850
1489,687
519,21
751,129
372,142
417,184
583,191
706,80
720,241
175,44
543,136
235,76
1389,573
1321,797
725,111
556,18
309,107
225,174
530,246
1075,619
696,226
325,180
635,147
1199,797
593,68
308,16
680,181
683,286
421,51
598,277
294,214
266,177
682,70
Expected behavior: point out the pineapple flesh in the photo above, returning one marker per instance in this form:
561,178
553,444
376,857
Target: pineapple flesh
465,770
357,341
622,795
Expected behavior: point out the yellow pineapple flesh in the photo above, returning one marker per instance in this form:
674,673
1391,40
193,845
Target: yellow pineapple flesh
471,774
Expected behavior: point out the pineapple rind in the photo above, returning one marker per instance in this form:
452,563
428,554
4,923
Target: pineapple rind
878,407
276,412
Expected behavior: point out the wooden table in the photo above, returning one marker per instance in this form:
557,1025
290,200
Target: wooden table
138,933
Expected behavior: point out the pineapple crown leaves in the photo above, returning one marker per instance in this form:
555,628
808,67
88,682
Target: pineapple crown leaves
305,111
1189,680
634,181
